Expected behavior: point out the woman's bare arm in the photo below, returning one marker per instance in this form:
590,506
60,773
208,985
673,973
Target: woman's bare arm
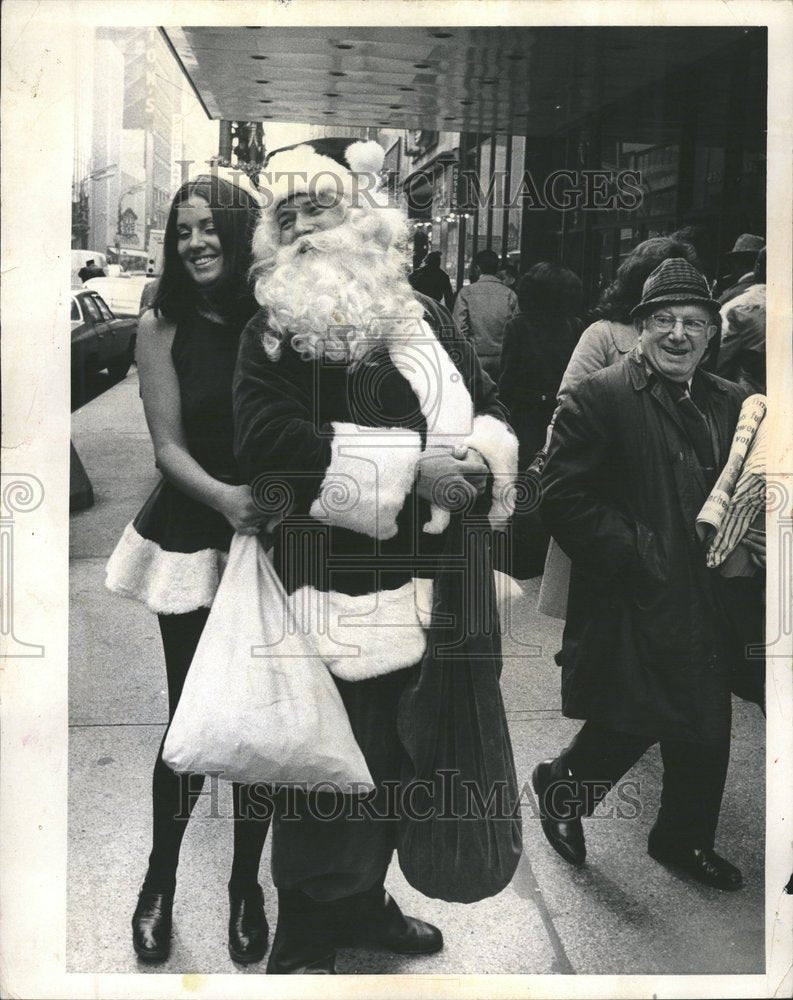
159,387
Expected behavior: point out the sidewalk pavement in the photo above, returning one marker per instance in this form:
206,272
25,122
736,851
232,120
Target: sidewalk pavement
620,913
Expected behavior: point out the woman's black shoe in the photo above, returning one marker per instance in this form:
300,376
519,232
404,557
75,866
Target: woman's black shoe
248,930
151,925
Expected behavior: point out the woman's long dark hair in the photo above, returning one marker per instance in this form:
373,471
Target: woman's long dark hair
234,213
625,291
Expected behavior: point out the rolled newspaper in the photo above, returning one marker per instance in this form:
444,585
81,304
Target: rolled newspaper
739,494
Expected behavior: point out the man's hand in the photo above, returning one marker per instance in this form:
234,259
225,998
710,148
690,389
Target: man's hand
447,474
754,540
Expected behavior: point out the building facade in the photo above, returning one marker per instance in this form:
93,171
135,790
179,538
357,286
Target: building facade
688,150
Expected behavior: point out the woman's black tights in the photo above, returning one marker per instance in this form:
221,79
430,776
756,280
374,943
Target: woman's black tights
174,795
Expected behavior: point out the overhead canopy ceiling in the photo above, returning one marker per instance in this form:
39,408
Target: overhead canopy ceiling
521,80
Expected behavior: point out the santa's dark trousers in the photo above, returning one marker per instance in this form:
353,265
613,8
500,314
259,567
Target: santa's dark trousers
329,845
693,781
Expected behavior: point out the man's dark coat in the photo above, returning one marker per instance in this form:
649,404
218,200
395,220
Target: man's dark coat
649,647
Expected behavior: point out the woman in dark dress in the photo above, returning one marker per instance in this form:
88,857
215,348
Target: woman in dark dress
172,556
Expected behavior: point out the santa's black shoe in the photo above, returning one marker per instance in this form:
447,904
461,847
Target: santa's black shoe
302,945
373,917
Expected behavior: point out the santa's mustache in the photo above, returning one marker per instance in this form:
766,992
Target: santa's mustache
332,241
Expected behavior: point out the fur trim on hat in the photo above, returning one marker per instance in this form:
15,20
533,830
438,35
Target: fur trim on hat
302,169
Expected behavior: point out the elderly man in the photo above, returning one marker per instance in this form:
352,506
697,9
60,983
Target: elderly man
649,646
349,406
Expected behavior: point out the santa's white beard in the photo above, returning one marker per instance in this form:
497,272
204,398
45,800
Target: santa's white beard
337,293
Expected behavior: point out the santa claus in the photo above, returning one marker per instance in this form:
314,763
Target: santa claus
367,429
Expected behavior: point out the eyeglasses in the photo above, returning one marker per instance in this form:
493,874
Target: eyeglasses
664,323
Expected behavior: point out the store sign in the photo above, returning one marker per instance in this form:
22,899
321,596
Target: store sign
140,83
151,83
128,226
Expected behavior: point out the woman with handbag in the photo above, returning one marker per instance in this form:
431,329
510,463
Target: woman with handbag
172,555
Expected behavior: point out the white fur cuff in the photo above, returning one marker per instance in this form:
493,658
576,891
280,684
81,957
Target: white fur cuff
366,635
371,472
499,448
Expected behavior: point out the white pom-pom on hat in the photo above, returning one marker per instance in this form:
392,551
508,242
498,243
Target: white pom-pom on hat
365,157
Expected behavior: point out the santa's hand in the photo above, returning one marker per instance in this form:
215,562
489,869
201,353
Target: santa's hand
754,540
443,479
477,468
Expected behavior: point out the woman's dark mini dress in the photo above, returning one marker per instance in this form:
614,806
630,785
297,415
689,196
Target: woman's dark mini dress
171,557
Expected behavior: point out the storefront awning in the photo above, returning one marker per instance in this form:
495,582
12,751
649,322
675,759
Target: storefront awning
530,81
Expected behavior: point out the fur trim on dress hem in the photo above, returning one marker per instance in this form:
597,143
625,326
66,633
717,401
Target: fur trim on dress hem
168,583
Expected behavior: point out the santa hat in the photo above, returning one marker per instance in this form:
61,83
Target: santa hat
319,165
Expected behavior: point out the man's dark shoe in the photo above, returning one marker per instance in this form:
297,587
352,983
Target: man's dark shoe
558,803
701,863
151,925
302,943
375,918
248,930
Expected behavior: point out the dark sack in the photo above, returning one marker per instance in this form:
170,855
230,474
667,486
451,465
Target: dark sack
459,832
525,545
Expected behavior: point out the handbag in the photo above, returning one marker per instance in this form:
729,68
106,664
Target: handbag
459,832
258,704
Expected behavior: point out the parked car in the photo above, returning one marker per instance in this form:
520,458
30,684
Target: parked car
120,290
99,338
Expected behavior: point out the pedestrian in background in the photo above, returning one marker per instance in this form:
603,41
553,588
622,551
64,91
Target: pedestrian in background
613,334
649,648
172,556
537,346
508,275
742,350
483,309
741,261
430,279
538,342
91,270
